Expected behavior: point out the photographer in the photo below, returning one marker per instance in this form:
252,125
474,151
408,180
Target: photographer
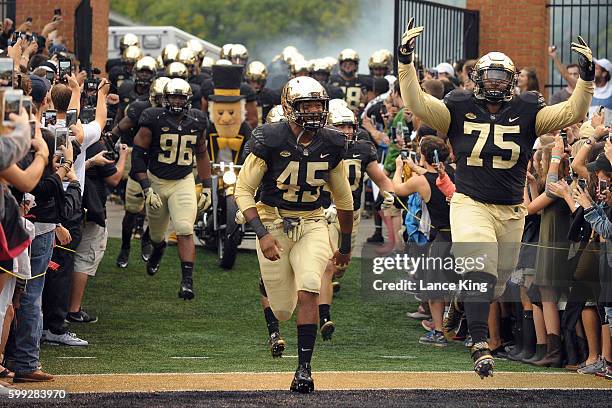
101,172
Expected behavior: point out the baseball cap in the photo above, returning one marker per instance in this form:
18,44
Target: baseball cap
40,87
601,163
604,63
445,67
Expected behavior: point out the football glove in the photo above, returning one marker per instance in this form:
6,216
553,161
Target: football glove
152,199
205,199
331,215
239,218
585,61
405,51
388,200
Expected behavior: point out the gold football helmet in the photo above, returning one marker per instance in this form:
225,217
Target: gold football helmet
337,103
207,62
187,56
298,91
381,59
177,70
156,92
300,67
128,40
197,47
321,65
177,95
239,54
495,77
160,63
348,54
131,54
342,115
225,51
144,71
256,72
224,62
169,54
275,114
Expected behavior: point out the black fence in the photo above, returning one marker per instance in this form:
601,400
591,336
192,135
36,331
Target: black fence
7,10
592,19
451,32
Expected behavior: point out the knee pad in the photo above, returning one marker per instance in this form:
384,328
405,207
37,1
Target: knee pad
183,227
479,287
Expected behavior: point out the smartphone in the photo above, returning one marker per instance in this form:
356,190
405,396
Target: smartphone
71,117
582,183
436,157
61,139
564,137
393,135
57,12
404,153
26,103
50,75
50,118
12,103
603,186
65,68
29,20
413,156
6,72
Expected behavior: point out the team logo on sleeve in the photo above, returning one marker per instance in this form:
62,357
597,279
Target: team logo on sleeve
470,115
285,153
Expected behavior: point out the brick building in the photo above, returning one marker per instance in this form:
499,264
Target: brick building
41,12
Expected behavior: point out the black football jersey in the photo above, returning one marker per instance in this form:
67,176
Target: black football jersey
117,75
358,155
351,88
295,174
133,112
492,150
173,144
333,92
266,99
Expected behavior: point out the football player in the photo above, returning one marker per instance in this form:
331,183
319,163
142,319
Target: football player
136,88
179,70
360,158
256,76
115,67
170,136
347,78
380,63
134,199
492,132
289,164
321,71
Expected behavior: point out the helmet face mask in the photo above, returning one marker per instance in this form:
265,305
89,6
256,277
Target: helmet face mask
494,76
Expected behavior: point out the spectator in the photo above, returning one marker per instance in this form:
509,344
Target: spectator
603,88
564,93
528,80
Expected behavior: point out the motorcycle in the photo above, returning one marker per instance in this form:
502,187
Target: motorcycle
217,228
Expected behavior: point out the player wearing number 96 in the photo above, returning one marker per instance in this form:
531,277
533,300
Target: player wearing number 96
167,140
492,132
289,163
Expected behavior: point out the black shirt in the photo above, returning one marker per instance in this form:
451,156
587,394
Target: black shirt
94,196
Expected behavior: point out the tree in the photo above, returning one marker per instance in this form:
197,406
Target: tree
254,23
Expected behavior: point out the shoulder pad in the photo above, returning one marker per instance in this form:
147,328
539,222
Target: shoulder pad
533,97
150,116
333,136
362,134
271,134
198,116
126,87
458,95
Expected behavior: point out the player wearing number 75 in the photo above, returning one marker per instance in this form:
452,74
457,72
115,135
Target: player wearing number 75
289,163
162,162
492,132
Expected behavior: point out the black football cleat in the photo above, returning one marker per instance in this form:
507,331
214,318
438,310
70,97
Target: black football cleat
302,380
186,290
327,330
483,360
146,249
122,259
155,258
277,345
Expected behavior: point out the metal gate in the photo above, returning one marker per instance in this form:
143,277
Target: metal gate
7,10
452,32
568,18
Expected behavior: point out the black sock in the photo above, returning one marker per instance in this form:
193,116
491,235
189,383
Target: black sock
324,314
271,320
477,304
126,229
146,238
187,269
139,221
307,334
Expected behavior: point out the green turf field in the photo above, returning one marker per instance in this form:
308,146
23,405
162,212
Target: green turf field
142,325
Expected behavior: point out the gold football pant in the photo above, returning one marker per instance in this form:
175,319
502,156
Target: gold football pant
488,234
178,203
334,231
134,198
300,267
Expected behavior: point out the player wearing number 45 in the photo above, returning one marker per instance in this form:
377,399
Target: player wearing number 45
289,163
162,162
492,132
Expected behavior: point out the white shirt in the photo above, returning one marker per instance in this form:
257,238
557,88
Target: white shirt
602,97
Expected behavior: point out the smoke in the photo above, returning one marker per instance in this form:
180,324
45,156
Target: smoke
371,30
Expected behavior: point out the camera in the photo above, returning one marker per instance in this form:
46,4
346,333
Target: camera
111,153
